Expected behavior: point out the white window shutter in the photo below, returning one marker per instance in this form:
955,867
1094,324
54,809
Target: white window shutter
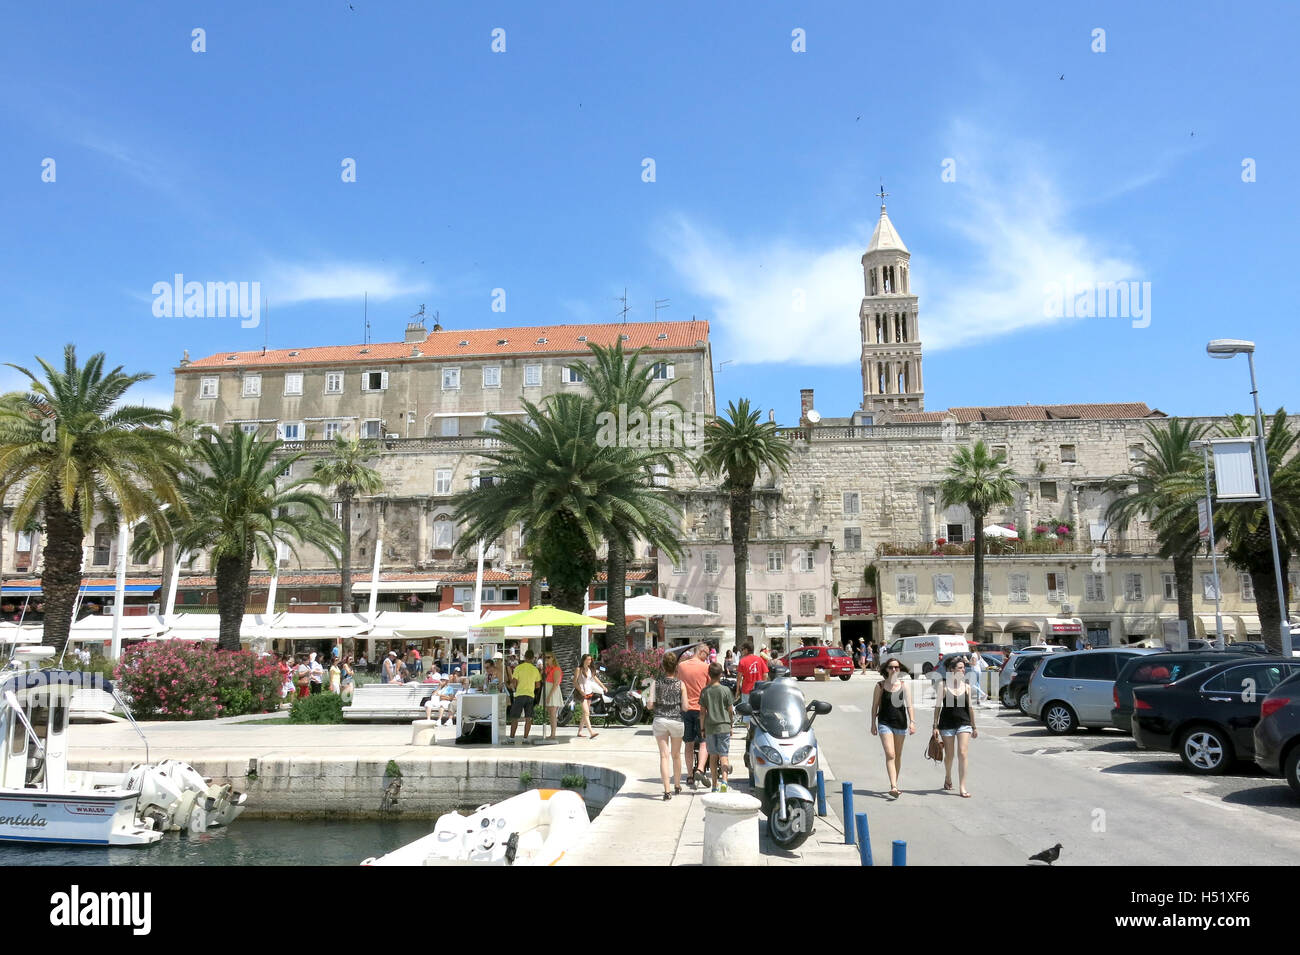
383,381
279,431
671,370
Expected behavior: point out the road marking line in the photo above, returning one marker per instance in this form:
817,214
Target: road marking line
1197,797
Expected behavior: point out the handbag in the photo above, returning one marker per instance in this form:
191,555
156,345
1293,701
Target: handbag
934,751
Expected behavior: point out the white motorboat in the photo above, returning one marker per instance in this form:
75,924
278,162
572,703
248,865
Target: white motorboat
536,827
42,800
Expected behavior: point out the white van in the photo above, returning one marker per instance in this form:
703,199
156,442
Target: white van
922,654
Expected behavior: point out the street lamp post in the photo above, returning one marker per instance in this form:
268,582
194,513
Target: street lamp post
1227,348
1214,555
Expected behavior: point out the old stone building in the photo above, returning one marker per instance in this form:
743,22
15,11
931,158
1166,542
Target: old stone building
846,544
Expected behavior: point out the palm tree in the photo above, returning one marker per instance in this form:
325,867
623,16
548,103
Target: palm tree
73,450
348,474
1245,526
1164,486
737,448
980,481
572,492
239,510
622,386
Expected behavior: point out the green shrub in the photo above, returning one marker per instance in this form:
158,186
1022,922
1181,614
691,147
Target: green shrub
573,781
173,680
392,770
526,778
318,708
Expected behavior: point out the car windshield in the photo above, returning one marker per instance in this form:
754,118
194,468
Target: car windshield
781,711
837,653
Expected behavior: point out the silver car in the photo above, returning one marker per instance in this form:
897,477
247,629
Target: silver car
1076,689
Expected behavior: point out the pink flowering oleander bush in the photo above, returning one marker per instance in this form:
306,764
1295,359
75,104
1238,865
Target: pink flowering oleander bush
192,681
623,664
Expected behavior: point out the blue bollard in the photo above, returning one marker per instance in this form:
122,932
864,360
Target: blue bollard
864,839
900,852
847,789
821,793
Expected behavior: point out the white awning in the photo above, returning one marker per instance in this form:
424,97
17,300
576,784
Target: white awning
1249,623
1064,626
422,585
1134,626
1205,625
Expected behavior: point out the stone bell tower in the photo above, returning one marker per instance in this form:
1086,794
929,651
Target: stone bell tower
891,341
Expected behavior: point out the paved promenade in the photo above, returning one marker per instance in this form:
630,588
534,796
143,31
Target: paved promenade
636,827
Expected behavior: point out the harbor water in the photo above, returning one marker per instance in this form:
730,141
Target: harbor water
260,842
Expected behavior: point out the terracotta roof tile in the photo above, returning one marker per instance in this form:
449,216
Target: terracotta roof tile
1089,412
480,343
489,576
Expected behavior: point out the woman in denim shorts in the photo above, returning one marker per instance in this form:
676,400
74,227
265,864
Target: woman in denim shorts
665,701
892,719
954,721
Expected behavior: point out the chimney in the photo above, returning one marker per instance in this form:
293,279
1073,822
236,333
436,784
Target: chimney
805,404
416,332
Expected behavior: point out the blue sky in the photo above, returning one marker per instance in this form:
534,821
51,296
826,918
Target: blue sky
522,171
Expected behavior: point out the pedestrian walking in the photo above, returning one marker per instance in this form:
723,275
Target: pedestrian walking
588,684
693,671
524,681
868,658
975,675
718,707
317,673
336,677
302,679
554,695
665,702
348,681
893,719
954,722
753,669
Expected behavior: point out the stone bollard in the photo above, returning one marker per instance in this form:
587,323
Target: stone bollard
424,732
730,829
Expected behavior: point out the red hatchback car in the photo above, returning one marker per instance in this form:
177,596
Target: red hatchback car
802,662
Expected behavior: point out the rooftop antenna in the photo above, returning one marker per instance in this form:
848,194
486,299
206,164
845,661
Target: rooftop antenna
420,314
626,308
723,364
437,323
365,315
266,324
660,303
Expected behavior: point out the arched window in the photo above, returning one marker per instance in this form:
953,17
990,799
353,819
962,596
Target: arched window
444,533
880,378
103,545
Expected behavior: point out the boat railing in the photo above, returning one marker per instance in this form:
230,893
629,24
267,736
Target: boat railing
134,725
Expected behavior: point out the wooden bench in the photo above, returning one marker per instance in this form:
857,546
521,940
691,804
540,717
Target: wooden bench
388,701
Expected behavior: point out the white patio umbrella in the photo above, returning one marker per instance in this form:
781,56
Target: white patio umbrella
997,530
648,605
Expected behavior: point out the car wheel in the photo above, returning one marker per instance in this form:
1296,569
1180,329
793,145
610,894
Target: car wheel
1059,719
1291,769
845,676
1023,703
1206,750
1005,697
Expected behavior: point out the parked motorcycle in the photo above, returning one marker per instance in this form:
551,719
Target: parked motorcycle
620,705
781,753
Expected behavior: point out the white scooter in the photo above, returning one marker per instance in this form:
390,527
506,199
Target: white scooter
781,754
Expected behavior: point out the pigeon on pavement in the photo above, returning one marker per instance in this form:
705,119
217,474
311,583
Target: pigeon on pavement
1047,855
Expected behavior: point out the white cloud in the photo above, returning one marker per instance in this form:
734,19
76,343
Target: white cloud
774,301
1009,220
288,284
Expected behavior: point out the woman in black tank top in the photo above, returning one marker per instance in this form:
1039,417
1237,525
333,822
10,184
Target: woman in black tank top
954,721
892,719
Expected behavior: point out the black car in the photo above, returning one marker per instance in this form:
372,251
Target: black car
1158,668
1208,718
1277,734
1015,685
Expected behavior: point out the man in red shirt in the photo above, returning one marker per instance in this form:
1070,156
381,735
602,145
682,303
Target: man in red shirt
753,669
693,671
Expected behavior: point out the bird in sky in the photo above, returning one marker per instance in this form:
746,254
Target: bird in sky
1047,855
1062,76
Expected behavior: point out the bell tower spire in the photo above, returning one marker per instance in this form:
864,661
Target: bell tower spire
891,340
